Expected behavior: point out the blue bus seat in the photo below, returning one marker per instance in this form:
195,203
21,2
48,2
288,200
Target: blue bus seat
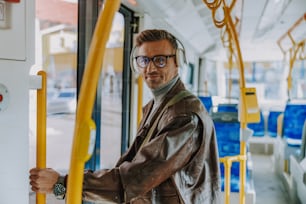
302,151
228,148
227,126
293,122
225,117
227,107
207,102
235,181
272,122
227,129
258,128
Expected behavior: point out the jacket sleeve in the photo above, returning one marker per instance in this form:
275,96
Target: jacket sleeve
103,185
169,151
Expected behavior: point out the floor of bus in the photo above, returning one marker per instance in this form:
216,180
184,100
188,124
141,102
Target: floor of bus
268,187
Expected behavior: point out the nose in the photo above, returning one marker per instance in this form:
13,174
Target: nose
151,66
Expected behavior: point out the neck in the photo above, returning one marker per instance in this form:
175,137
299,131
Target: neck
161,91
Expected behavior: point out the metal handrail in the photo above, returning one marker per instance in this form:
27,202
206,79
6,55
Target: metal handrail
227,161
84,131
296,51
41,144
243,115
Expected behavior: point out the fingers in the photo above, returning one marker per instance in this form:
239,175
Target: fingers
34,187
43,180
34,171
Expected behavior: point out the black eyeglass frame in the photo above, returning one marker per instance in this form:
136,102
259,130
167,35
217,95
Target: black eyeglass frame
153,60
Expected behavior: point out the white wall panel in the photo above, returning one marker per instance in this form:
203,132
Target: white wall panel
16,58
13,36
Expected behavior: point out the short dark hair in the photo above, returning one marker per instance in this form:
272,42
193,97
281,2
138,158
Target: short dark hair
155,35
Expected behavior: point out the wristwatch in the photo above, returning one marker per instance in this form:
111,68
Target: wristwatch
59,189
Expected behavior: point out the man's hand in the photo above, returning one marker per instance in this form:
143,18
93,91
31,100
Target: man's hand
43,180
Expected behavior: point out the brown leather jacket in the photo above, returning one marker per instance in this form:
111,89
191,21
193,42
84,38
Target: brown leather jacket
178,165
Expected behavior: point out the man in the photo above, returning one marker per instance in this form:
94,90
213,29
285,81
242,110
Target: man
174,160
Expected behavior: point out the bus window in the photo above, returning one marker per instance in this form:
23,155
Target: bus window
111,98
299,80
57,37
56,54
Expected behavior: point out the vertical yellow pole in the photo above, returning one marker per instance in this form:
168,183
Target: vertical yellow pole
243,125
230,62
227,161
230,27
139,99
227,178
242,170
293,54
84,126
41,130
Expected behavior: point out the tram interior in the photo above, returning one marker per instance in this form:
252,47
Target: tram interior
280,133
276,143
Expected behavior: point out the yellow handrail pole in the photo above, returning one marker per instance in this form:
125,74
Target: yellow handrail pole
242,172
139,99
227,161
227,174
84,125
227,178
230,27
234,37
230,71
214,5
243,124
41,128
294,49
293,52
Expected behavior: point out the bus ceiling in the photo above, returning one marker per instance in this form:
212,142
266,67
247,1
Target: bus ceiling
262,23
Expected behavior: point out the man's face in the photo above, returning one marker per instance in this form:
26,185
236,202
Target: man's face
154,76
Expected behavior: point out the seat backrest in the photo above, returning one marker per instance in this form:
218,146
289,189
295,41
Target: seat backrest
227,129
258,128
207,102
280,120
225,117
293,122
272,123
303,145
227,107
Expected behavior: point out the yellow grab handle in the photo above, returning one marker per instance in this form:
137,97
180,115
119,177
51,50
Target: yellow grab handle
41,130
83,131
85,141
227,161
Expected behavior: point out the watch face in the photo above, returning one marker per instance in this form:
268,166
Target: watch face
59,190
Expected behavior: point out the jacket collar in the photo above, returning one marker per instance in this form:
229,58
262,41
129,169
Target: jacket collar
179,86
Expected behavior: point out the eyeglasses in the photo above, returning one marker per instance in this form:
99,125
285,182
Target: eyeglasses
159,61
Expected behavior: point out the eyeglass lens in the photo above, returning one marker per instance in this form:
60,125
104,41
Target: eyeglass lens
159,61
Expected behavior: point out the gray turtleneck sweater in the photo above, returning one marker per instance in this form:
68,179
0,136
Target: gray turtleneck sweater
159,94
